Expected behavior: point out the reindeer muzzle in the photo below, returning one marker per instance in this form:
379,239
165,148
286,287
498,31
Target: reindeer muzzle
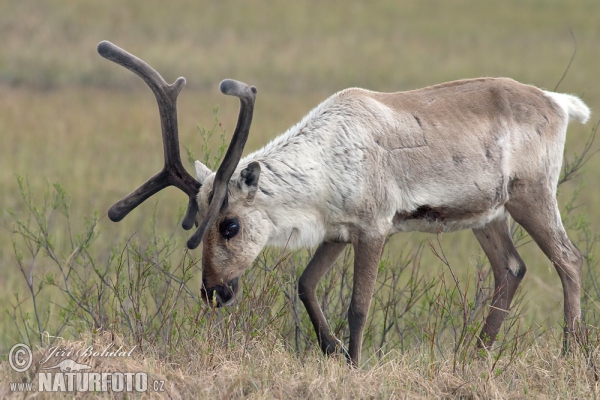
220,295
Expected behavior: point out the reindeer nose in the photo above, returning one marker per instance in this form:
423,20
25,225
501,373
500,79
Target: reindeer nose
224,294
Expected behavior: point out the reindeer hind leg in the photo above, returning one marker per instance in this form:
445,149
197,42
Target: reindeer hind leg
508,268
539,215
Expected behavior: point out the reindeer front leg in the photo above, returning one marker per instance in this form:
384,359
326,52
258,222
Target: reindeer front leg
321,262
367,254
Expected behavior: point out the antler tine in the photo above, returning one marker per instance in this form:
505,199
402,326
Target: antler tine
247,96
173,172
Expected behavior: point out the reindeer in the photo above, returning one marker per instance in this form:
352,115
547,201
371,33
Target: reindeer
364,165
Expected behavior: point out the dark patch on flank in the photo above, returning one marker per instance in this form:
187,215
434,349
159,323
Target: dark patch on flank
433,214
427,213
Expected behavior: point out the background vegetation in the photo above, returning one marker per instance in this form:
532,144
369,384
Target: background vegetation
69,116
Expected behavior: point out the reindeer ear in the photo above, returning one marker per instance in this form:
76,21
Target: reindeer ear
202,171
249,179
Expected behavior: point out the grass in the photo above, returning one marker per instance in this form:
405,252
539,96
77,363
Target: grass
69,116
263,346
263,368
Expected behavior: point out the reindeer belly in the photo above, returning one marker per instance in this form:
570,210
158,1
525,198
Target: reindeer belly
449,209
444,219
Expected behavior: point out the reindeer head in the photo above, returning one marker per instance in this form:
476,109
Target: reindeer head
237,236
221,203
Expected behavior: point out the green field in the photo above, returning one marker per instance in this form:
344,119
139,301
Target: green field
69,116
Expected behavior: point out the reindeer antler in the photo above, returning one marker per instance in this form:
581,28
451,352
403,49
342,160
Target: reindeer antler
247,95
173,172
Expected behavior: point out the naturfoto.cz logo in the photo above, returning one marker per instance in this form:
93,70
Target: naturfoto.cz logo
58,372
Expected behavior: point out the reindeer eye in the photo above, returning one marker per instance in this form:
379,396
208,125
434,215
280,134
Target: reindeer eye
229,228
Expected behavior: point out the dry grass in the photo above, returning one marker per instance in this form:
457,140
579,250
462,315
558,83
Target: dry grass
263,367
